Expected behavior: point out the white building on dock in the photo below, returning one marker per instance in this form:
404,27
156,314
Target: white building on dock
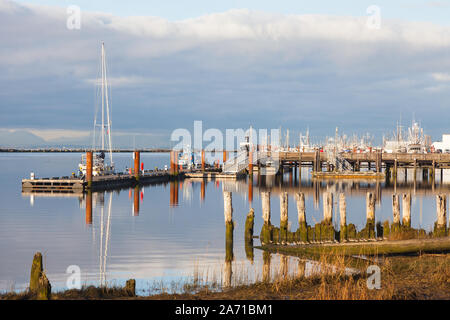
443,145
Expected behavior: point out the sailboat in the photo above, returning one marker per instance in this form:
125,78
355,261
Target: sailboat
99,167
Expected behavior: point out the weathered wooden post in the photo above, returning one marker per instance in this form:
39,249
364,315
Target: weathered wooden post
328,207
378,161
39,283
266,232
284,216
440,229
36,270
370,216
327,229
130,288
370,206
249,225
229,228
343,217
395,169
302,233
396,213
228,206
89,164
406,210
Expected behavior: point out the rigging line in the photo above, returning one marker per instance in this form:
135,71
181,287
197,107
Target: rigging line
108,228
108,112
96,101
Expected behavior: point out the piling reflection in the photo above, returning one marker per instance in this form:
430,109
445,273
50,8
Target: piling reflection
89,207
136,202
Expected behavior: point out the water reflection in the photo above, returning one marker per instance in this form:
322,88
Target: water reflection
170,234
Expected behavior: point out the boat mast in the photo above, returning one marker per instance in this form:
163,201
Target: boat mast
103,97
108,125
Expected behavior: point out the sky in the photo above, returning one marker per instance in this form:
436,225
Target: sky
232,64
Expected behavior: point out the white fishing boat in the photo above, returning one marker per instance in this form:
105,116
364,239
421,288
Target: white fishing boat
101,143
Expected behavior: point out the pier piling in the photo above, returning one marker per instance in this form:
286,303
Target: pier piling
284,217
343,217
89,163
228,206
328,207
406,209
440,229
137,165
302,226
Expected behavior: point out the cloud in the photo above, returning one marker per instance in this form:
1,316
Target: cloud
442,77
229,69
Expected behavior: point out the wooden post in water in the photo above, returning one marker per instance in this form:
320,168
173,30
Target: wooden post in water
406,209
89,163
343,217
229,228
441,209
227,206
302,235
370,206
369,232
265,199
266,232
327,207
395,213
378,161
300,197
395,170
284,216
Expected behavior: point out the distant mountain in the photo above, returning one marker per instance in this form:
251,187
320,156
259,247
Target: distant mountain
20,138
25,139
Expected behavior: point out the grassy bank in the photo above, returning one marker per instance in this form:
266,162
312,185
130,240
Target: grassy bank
424,276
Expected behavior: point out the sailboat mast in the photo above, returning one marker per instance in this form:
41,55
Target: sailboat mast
107,109
103,96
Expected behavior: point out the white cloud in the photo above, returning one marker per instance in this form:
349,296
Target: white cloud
441,77
230,68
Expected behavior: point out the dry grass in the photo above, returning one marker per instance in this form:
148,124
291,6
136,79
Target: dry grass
424,276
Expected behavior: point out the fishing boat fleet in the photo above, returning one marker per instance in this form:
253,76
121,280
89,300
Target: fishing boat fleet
413,141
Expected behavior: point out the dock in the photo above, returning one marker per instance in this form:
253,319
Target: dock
107,182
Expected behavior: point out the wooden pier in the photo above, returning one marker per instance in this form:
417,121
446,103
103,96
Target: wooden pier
76,185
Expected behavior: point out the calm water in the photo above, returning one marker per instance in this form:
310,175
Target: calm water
168,240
